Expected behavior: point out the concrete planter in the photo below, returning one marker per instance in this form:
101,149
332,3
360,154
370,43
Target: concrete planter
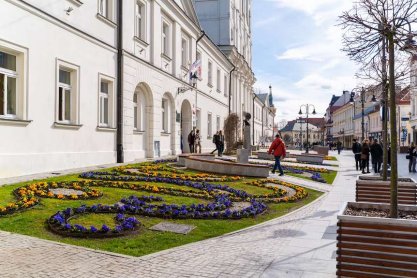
322,150
206,156
265,155
226,168
310,158
376,247
378,191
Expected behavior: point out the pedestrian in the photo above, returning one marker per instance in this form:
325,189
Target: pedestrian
339,146
277,148
216,140
197,142
365,157
376,153
412,154
221,144
191,140
357,149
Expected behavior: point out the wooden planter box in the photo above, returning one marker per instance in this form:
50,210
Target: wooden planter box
378,191
376,247
379,178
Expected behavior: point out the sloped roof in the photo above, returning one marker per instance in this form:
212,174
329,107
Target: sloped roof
262,97
288,127
333,100
403,97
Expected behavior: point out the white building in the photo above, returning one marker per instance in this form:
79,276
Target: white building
228,24
59,82
263,118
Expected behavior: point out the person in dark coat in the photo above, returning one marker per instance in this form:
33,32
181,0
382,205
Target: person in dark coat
191,140
412,159
357,149
216,141
339,147
376,153
365,156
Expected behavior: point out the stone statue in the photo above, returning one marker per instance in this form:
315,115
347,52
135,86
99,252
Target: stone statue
243,154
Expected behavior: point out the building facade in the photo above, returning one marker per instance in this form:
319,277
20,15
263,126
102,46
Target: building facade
59,99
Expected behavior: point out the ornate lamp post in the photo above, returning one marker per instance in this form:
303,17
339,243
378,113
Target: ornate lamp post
307,112
361,94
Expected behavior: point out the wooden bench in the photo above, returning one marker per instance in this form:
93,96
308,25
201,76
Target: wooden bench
379,192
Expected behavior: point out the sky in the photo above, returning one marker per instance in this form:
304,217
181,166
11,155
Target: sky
296,50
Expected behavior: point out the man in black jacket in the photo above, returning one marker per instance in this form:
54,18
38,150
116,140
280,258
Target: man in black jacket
357,149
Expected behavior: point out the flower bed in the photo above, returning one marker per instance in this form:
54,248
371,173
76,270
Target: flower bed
59,223
300,192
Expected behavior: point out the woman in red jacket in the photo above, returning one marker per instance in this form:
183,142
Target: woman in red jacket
277,149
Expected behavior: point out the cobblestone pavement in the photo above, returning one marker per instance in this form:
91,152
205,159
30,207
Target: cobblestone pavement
300,244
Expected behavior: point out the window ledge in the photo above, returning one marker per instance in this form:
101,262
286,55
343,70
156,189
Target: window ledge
166,57
165,134
106,128
184,68
106,20
217,90
138,131
141,41
17,122
68,126
210,85
77,2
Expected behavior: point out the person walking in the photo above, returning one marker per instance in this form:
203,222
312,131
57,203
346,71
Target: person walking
221,144
357,149
412,154
277,148
339,146
376,153
365,157
191,140
216,140
197,141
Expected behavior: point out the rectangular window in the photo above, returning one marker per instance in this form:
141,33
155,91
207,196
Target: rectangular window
184,52
209,125
64,96
198,119
8,88
104,102
136,112
165,116
105,8
225,85
218,123
210,73
140,20
165,39
218,80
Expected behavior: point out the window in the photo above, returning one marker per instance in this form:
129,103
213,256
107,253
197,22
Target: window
135,112
105,8
210,73
67,93
165,112
140,20
218,80
165,39
225,85
8,88
198,119
64,96
209,126
184,52
106,102
217,123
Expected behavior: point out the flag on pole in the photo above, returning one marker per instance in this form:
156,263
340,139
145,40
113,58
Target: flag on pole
195,70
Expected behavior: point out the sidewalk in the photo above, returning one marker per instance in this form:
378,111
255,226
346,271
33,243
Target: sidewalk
300,244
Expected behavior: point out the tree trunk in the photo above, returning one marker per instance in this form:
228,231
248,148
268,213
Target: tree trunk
393,123
385,112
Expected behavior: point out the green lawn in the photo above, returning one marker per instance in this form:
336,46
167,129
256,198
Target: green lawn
328,177
32,222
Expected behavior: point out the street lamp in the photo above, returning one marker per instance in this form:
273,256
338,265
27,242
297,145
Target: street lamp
301,132
307,112
362,96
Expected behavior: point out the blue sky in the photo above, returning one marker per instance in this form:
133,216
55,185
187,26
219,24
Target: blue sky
296,49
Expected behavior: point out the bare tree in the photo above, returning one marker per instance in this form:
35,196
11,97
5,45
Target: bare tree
367,26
